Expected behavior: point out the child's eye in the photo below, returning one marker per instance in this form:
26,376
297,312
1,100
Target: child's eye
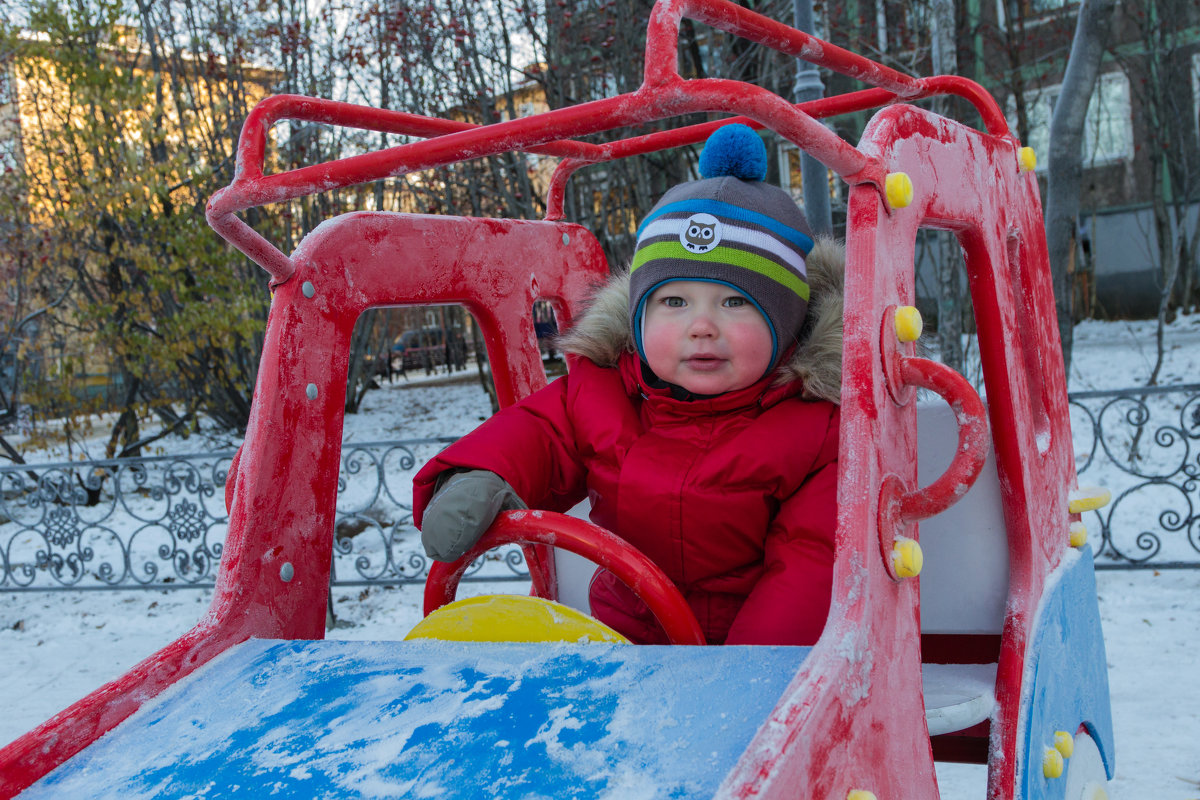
673,302
735,301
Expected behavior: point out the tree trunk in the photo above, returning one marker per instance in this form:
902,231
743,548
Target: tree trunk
360,373
1064,175
1168,271
947,253
485,368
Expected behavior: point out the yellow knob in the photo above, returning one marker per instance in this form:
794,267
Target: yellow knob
1064,743
1052,763
1088,498
907,558
1078,534
860,794
908,323
1027,158
899,189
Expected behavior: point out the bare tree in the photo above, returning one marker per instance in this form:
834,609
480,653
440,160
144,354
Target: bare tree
1066,155
944,58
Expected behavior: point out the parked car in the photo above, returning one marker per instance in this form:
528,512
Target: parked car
428,348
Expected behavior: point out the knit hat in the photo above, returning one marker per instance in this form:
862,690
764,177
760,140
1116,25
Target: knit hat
729,228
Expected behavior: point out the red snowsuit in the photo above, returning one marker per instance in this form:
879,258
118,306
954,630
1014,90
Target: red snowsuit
734,497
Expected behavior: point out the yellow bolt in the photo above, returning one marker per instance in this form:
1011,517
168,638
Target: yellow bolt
1052,763
907,558
1064,743
908,324
860,794
1088,498
899,189
1027,159
1078,534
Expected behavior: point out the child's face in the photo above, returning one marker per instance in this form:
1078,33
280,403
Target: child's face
705,337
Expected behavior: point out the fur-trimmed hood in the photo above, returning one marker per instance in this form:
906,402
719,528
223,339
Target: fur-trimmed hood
602,333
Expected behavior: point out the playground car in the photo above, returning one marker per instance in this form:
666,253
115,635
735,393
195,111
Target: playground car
964,623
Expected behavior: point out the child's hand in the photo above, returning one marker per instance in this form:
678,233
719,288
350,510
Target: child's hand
463,508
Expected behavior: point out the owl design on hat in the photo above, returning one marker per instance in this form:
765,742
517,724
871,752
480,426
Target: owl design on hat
701,233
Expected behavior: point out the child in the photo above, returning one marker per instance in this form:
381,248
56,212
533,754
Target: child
699,415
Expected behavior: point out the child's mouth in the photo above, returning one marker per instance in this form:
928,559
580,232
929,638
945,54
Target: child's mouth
705,363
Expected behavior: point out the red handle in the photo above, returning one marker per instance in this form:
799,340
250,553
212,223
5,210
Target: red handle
971,452
583,538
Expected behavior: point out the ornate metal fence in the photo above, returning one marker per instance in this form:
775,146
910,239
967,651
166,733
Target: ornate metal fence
160,522
1144,446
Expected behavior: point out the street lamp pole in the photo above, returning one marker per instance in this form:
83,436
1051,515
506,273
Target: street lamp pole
815,175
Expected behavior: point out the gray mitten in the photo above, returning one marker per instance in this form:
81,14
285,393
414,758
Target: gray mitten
462,509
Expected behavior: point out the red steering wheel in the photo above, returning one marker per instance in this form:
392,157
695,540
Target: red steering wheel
581,537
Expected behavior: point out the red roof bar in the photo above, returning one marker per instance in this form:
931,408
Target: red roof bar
663,94
252,145
818,109
662,43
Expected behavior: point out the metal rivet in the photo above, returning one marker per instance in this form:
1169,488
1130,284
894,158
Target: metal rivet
907,558
566,238
308,289
311,391
1027,159
1052,763
287,572
899,189
908,324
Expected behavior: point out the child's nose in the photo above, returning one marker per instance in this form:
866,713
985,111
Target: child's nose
702,325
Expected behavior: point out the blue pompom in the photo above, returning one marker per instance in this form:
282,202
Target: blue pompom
734,150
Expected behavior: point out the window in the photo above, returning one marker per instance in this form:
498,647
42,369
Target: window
1031,12
600,85
1107,130
791,177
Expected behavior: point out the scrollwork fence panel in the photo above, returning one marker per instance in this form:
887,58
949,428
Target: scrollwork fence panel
160,522
109,524
1144,446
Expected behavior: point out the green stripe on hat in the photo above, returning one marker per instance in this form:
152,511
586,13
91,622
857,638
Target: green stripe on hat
723,255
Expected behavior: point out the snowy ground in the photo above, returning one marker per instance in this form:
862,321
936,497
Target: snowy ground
56,647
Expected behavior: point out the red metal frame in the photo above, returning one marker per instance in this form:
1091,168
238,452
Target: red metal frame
863,677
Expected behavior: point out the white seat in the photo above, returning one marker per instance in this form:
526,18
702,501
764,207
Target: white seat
574,572
964,581
957,696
